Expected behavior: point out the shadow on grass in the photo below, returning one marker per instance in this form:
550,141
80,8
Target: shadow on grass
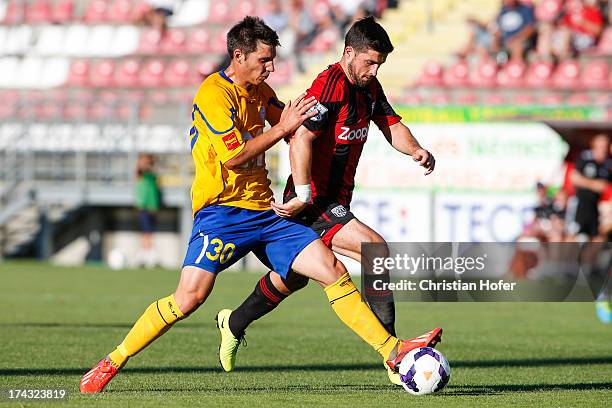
546,362
504,388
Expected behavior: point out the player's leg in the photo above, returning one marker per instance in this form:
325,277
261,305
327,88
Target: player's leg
194,287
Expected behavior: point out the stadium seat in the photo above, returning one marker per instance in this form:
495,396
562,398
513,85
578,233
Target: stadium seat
9,66
76,41
539,74
4,35
126,75
466,99
40,11
125,41
245,8
174,42
603,99
411,98
79,73
578,99
219,12
522,99
605,42
3,7
50,40
63,11
457,75
190,13
152,73
178,73
595,75
29,73
150,41
439,99
205,68
550,99
567,75
103,74
97,11
432,75
14,12
548,10
55,72
121,11
512,75
101,41
282,73
18,40
218,42
198,41
494,99
485,75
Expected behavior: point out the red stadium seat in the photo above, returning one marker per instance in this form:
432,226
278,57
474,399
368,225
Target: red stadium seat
605,42
178,74
432,75
411,98
439,99
97,11
220,12
127,74
467,99
493,99
174,42
548,10
522,100
512,75
219,42
150,42
245,8
603,99
39,12
121,11
103,74
578,99
63,11
205,68
14,12
198,41
282,73
595,75
79,73
457,75
152,73
567,75
551,99
539,74
485,74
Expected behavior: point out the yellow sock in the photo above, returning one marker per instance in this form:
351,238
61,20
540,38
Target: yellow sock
346,301
154,322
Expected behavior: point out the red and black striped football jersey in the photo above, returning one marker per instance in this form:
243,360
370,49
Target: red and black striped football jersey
342,131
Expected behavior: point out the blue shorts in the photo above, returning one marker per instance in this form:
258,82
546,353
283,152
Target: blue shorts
222,235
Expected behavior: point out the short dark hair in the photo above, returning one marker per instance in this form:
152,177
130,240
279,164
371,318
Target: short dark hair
244,35
366,34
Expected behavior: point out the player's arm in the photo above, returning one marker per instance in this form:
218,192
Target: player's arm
293,115
300,156
402,140
580,181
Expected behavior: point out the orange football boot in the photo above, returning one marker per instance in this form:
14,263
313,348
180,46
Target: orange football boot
96,379
429,339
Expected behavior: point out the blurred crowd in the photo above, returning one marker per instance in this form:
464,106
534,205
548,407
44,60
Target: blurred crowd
557,30
582,209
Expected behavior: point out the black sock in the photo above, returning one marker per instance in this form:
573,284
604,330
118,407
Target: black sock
264,298
385,311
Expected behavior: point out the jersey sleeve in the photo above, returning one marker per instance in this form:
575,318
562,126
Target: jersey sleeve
214,116
329,90
384,115
274,107
581,163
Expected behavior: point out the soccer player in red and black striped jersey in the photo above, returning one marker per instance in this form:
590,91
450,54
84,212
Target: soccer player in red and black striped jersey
324,155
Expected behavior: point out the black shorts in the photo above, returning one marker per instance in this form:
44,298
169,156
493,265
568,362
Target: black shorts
325,217
147,220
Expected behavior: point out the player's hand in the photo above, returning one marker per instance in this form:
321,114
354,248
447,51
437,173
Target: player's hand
425,159
296,112
290,209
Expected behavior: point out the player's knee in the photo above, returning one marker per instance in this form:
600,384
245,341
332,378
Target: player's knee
294,281
188,301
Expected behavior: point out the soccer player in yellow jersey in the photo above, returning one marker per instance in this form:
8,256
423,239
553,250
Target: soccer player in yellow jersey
231,203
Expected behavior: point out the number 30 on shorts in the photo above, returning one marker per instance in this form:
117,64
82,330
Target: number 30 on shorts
218,250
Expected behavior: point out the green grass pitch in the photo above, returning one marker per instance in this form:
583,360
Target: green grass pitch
55,323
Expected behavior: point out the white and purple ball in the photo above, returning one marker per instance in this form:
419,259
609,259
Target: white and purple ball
424,370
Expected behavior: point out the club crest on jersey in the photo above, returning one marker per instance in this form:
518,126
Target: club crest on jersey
339,211
231,141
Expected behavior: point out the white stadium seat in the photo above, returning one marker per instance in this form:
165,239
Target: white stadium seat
3,39
30,73
100,41
50,41
9,67
18,40
125,41
191,12
76,42
56,72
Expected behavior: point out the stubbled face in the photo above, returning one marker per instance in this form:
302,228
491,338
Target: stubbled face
256,66
363,66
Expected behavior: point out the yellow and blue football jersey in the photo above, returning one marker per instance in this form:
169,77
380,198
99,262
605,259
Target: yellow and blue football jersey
224,117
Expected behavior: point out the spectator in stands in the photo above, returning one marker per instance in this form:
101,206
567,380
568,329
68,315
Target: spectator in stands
515,33
275,16
544,208
591,177
580,27
303,28
155,13
343,11
480,42
148,203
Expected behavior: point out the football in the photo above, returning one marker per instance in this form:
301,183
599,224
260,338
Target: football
424,370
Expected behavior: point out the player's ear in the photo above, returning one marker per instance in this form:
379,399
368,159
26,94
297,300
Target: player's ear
349,52
238,56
